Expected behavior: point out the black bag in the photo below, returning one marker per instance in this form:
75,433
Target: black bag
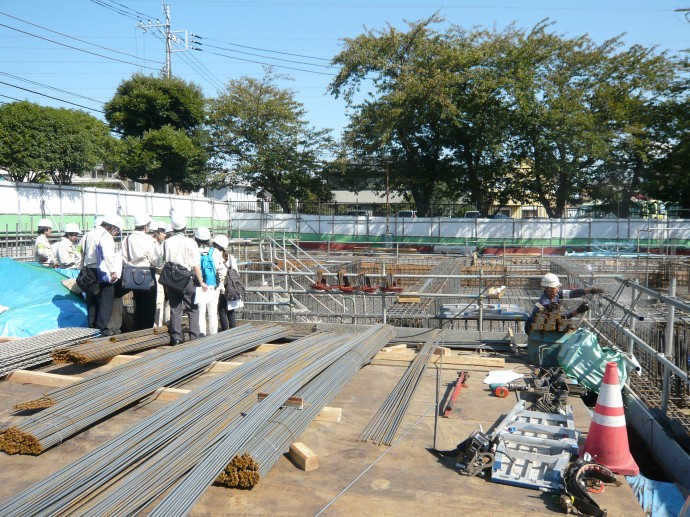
87,281
175,277
137,278
234,288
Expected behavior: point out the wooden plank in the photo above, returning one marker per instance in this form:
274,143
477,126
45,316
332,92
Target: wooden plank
330,414
447,359
439,350
295,402
303,457
224,366
266,348
394,348
43,378
409,299
169,394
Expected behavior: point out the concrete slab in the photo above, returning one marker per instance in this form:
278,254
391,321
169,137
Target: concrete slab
353,478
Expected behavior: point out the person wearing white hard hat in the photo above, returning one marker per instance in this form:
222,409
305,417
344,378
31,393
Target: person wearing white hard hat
226,315
106,264
162,316
44,253
66,253
140,250
554,293
213,271
183,251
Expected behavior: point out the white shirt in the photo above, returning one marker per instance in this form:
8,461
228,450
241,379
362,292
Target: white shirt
140,249
180,249
67,255
113,260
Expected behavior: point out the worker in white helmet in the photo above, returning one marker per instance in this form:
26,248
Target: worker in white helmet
66,253
162,316
183,251
43,250
140,250
213,271
106,264
554,293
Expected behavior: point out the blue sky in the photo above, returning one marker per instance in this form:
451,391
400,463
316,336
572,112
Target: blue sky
80,50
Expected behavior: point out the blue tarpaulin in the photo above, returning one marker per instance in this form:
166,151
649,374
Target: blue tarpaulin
657,498
35,300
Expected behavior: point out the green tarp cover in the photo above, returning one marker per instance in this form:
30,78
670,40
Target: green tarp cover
582,358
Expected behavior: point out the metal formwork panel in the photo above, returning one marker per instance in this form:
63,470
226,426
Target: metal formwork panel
534,448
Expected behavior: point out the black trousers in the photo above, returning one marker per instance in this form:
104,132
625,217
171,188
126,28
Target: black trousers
228,320
100,305
144,308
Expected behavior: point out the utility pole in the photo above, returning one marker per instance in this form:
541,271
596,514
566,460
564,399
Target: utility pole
171,36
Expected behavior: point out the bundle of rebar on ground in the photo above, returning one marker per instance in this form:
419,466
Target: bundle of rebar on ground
192,438
382,428
79,405
36,350
270,442
102,348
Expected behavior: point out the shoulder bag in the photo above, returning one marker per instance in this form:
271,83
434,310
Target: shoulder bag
174,276
137,278
86,280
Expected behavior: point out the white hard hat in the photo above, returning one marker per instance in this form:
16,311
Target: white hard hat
113,220
72,228
202,233
45,223
178,222
153,226
222,241
550,280
97,221
168,228
142,220
161,226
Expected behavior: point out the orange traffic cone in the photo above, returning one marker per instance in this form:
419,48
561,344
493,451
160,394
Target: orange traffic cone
607,439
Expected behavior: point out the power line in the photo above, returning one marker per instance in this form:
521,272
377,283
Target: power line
267,57
51,97
263,49
50,87
77,48
270,64
72,37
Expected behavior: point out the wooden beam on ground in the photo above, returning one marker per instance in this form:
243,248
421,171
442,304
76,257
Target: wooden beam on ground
265,348
447,359
53,380
295,402
303,457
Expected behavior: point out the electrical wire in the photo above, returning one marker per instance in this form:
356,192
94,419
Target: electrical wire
51,97
50,87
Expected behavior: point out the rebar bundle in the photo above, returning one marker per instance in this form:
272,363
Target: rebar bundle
125,474
83,403
104,348
382,428
270,442
36,350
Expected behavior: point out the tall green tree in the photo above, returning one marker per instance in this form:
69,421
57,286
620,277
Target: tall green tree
164,142
260,135
39,143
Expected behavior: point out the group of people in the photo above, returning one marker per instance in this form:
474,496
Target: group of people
149,246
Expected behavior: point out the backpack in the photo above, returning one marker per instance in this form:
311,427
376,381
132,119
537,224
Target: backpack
234,288
208,269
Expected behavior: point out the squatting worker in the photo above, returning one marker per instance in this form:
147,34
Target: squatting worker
108,271
553,293
43,250
67,253
139,249
180,249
